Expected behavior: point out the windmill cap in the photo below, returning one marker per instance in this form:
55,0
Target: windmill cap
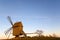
18,24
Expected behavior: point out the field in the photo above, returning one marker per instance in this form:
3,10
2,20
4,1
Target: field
35,38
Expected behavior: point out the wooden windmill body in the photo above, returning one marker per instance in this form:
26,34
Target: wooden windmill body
17,28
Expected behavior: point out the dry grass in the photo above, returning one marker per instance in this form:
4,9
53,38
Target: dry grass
35,38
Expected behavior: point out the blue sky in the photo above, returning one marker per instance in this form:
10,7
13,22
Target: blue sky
34,14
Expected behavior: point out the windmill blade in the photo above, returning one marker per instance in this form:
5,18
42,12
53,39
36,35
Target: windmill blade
10,20
6,32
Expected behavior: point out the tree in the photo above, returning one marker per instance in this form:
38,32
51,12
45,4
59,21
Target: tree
54,35
39,32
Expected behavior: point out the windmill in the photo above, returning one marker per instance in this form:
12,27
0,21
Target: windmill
17,28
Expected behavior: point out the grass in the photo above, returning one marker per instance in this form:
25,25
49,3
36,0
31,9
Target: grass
35,38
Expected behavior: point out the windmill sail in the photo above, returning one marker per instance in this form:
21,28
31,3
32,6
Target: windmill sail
10,20
6,32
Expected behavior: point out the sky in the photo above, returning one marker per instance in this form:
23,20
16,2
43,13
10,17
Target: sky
34,14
